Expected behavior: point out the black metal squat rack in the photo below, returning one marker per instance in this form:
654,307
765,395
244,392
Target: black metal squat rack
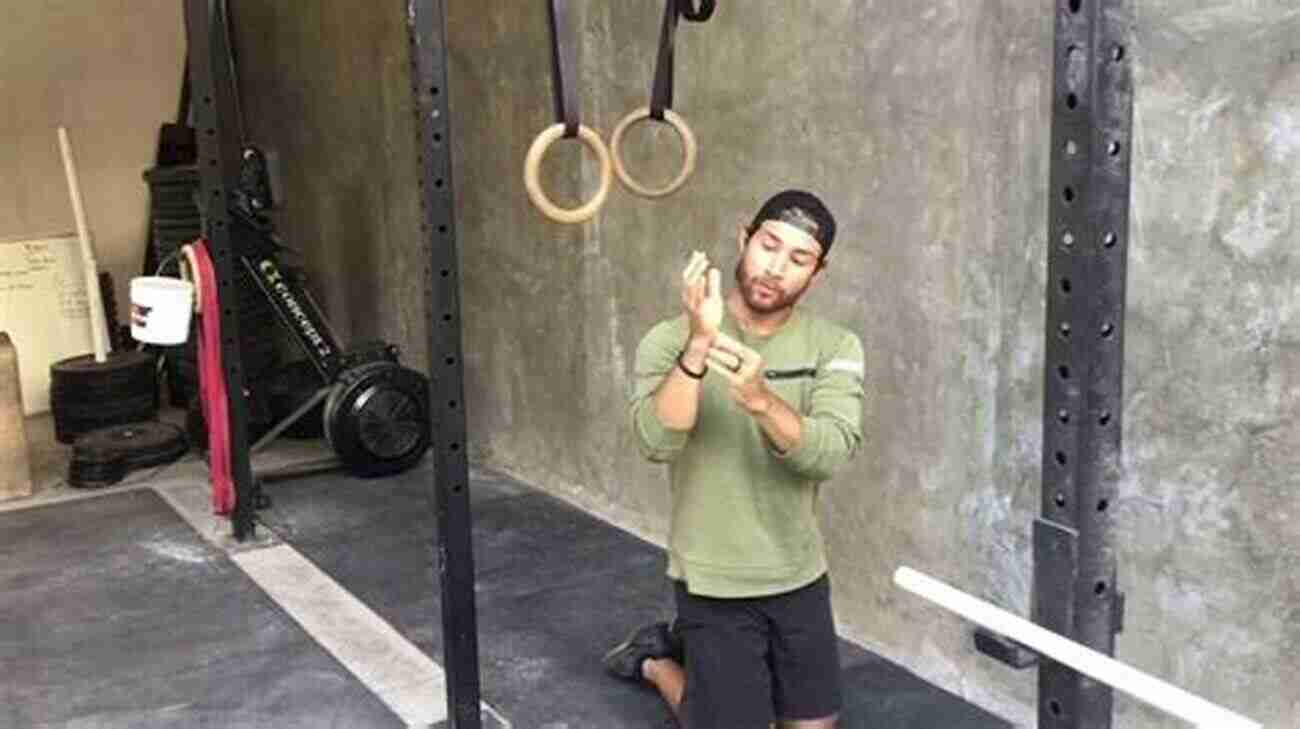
1074,549
215,112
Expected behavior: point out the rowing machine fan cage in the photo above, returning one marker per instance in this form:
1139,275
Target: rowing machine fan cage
377,418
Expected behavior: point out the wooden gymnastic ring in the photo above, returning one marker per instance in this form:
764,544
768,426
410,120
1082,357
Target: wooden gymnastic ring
533,182
191,263
690,148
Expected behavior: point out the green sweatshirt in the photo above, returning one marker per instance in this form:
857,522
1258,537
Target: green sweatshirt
744,517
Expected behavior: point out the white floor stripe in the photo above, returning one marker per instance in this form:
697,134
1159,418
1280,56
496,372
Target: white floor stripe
400,674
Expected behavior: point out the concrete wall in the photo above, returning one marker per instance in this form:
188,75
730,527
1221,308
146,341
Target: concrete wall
110,71
925,125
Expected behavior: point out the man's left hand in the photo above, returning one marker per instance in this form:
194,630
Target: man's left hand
743,368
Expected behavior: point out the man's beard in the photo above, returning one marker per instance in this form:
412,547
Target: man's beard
780,302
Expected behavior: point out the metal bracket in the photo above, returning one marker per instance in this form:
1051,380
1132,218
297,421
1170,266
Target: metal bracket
1004,650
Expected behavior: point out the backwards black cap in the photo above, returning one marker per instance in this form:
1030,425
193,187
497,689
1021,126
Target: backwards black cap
804,211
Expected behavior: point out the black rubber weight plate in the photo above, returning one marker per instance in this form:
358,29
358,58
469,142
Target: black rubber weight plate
139,445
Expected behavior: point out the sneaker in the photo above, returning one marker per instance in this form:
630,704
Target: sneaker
649,641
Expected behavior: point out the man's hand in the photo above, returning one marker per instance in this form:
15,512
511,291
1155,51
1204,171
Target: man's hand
702,299
743,368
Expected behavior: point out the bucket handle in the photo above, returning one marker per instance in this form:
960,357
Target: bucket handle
189,272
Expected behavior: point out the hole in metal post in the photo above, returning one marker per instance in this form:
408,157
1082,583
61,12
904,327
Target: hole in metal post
1063,371
1104,420
1055,707
1071,148
1103,505
1065,329
1107,330
1099,588
1061,460
1117,53
1068,195
1066,285
1075,5
1072,101
1059,500
1115,148
1063,415
1110,240
1068,240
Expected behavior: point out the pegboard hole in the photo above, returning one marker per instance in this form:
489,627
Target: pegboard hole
1059,500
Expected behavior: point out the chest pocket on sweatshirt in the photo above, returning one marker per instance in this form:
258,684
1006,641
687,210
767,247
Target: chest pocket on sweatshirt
792,384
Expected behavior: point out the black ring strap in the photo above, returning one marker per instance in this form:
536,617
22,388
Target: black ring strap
661,96
564,58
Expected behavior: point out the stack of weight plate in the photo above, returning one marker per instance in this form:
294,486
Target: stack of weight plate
105,456
86,395
177,221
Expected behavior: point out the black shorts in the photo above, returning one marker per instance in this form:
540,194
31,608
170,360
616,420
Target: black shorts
752,661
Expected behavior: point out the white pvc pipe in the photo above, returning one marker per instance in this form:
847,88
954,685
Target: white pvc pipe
1099,666
89,267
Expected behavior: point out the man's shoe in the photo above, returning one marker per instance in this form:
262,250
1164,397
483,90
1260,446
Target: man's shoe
649,641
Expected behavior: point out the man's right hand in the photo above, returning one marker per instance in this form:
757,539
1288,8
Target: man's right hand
702,299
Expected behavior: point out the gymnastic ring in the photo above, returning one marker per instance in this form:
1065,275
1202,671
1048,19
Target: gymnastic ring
533,182
193,265
690,148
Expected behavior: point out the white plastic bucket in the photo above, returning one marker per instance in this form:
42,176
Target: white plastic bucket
161,308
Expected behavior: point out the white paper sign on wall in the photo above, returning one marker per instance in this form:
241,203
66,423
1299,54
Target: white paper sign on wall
43,307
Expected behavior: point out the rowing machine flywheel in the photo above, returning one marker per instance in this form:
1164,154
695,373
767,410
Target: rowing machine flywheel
377,418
